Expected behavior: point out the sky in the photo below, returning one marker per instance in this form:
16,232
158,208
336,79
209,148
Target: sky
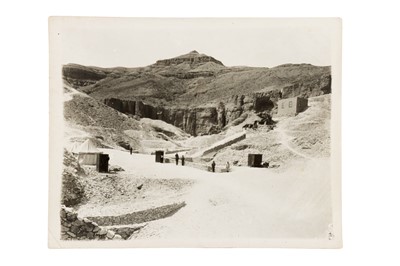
112,42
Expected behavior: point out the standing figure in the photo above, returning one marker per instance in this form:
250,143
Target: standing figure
183,160
228,167
130,149
176,158
213,166
255,125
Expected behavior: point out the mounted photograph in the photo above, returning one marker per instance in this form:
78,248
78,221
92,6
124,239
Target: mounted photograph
195,132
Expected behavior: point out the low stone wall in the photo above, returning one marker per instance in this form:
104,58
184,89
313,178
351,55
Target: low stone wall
220,144
77,228
226,144
140,216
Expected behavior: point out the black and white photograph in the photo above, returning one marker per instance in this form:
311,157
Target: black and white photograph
195,132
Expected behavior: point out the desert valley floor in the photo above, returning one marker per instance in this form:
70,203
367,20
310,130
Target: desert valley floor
289,200
244,203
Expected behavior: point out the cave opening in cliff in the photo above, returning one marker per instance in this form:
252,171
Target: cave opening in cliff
263,104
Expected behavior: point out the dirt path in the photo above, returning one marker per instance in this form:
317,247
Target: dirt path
285,140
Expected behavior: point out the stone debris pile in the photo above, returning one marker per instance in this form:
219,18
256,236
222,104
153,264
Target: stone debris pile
126,232
77,228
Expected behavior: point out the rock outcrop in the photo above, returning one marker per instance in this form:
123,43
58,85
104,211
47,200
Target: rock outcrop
189,75
73,191
79,76
314,88
192,58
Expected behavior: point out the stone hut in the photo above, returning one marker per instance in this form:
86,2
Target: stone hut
292,106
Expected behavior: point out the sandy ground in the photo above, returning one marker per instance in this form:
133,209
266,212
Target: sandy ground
291,201
251,203
244,203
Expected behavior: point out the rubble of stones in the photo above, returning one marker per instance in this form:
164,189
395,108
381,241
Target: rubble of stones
126,232
77,228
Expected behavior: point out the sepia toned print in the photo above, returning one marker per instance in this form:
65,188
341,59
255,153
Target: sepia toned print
157,140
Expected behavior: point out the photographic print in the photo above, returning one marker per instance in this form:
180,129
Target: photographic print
195,132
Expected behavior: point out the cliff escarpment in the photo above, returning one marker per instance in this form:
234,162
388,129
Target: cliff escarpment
195,121
79,76
198,120
192,58
196,92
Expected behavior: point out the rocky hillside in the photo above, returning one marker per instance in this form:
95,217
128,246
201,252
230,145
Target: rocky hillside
196,92
73,188
86,117
305,136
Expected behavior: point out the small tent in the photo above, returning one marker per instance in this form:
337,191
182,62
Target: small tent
74,147
87,153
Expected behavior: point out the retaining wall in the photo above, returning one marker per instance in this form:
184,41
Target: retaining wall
77,228
140,216
221,144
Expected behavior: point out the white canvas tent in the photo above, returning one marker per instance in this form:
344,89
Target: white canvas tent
74,147
87,153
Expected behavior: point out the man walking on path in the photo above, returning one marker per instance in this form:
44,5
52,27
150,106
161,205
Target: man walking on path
183,160
130,149
176,158
213,166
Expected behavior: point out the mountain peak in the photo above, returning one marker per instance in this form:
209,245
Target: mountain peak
192,57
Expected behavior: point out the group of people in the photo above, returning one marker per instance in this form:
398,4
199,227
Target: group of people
227,166
213,164
177,159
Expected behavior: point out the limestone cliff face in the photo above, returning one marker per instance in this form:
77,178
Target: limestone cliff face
212,119
198,120
257,102
79,76
195,121
221,115
192,58
316,87
189,75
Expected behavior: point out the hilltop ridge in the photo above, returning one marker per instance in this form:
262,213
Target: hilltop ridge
192,57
